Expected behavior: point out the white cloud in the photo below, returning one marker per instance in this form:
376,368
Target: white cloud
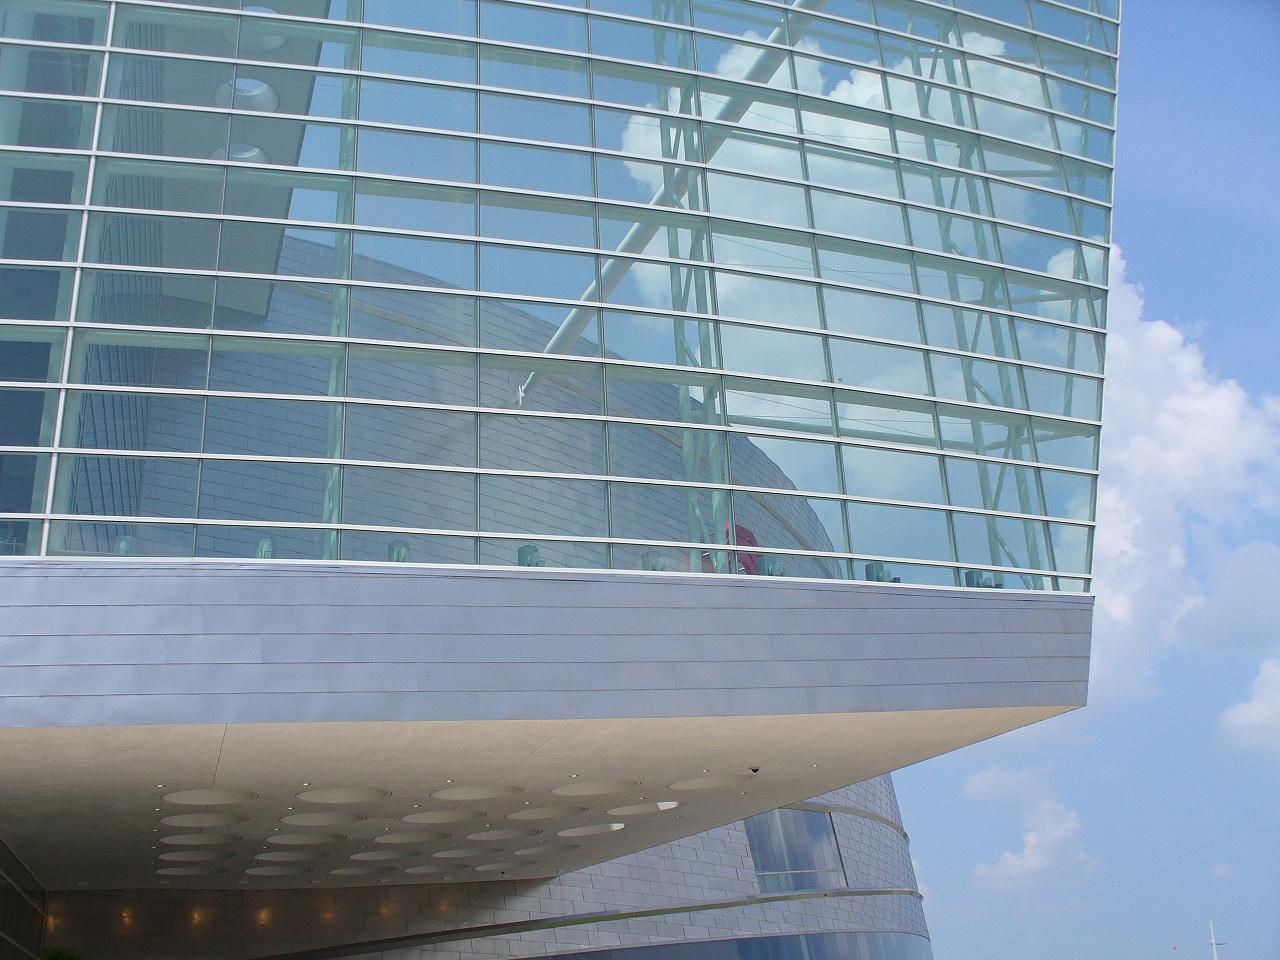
1221,871
1189,461
1254,725
1050,843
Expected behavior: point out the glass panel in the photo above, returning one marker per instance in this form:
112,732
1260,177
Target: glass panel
534,505
767,299
292,251
283,306
416,105
1066,444
420,376
643,511
139,360
859,217
772,352
977,381
410,435
1063,394
421,261
654,338
387,497
413,206
1070,495
533,26
38,234
666,453
878,367
281,492
561,386
513,217
141,240
871,314
1070,547
794,850
126,486
899,531
55,20
787,523
847,126
272,39
133,421
121,539
264,543
43,178
532,72
284,428
664,395
1000,541
866,264
29,354
944,188
20,538
544,553
637,41
378,547
427,57
752,199
542,444
886,419
46,123
417,316
35,293
778,406
274,366
653,233
535,168
651,136
968,330
70,73
850,170
444,16
289,196
537,273
989,433
892,475
659,286
786,464
24,478
763,248
416,154
542,328
993,486
26,417
169,300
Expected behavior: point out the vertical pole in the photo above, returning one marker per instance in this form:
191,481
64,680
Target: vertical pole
1213,940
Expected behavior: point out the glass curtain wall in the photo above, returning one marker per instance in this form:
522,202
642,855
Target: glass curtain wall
812,288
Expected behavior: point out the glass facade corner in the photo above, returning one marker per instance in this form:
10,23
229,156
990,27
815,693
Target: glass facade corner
812,288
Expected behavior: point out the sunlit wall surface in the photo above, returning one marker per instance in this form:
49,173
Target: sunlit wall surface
809,288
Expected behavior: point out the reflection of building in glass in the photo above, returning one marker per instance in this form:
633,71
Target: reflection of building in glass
375,302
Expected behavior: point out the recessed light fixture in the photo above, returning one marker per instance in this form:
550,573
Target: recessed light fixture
159,785
448,781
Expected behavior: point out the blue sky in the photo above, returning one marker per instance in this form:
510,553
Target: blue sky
1122,829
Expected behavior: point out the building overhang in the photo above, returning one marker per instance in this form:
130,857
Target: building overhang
471,724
